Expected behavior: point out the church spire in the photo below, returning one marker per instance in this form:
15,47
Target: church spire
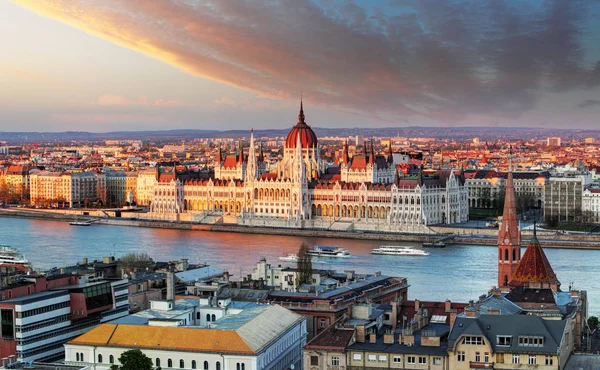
251,168
301,114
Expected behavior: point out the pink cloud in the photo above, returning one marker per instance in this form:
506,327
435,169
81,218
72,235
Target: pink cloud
112,99
224,101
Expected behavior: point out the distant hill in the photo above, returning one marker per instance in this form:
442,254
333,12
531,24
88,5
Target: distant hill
454,133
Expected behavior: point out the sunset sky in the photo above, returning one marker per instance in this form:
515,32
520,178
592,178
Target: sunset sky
107,65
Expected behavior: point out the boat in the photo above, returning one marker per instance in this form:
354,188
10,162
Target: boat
398,250
79,223
289,258
434,245
328,251
11,256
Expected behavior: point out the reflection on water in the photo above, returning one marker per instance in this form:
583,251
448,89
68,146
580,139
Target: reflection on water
457,272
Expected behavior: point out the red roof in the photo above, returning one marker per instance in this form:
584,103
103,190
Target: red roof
534,267
359,162
230,161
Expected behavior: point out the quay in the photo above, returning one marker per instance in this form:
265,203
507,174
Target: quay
461,235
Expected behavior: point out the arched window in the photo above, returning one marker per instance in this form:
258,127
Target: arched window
193,364
169,363
157,362
237,366
506,254
218,367
205,365
208,317
81,356
213,318
181,364
243,366
99,358
111,359
197,315
514,255
77,356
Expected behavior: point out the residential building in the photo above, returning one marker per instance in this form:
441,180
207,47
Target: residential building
67,188
17,180
553,141
563,198
590,205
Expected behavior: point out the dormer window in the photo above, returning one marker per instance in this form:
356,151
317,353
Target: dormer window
531,341
504,340
473,340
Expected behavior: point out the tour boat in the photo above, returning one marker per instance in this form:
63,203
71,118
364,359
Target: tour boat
328,251
434,245
398,250
289,258
11,256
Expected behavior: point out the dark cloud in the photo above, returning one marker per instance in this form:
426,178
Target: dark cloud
439,59
588,103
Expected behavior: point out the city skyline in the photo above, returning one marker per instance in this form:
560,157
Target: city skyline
115,65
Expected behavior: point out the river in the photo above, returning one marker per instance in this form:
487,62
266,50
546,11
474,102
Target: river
458,272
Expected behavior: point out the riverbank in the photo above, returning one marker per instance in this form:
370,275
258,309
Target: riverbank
462,235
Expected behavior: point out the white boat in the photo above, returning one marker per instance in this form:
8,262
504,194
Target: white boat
11,256
289,258
398,250
79,223
328,251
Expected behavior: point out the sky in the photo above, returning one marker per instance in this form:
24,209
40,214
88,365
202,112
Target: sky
108,65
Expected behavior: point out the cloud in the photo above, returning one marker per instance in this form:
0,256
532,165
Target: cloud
439,60
28,75
224,101
588,103
112,99
84,118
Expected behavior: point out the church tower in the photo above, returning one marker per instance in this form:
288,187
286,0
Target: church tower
251,167
509,235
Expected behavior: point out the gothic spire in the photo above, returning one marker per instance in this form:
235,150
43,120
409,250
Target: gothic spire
301,114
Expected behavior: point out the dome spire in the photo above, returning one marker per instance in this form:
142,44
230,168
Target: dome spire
301,114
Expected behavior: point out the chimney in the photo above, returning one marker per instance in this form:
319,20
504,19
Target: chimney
470,313
447,305
360,334
394,315
452,318
373,338
170,286
417,305
388,338
85,261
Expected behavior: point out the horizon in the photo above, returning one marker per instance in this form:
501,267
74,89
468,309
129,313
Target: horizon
145,66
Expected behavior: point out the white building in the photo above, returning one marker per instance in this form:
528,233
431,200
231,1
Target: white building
196,334
590,204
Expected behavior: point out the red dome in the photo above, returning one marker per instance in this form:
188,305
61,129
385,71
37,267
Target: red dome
307,136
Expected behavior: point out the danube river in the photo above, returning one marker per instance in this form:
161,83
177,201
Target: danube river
457,272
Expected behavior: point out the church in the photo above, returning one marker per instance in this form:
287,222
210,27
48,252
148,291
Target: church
368,193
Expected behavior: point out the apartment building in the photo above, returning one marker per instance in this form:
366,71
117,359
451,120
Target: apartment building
39,314
67,188
590,205
563,198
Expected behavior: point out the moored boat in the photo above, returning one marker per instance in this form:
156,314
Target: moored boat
398,250
434,245
289,258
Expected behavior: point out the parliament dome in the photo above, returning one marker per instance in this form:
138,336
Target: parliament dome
301,130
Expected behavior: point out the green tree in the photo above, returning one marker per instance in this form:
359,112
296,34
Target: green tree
134,359
593,322
304,266
135,262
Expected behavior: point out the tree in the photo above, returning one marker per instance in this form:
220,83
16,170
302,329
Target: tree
134,359
134,261
593,322
304,265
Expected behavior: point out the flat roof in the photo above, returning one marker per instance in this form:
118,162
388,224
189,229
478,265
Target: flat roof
37,297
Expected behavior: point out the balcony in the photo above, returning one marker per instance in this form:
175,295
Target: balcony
481,365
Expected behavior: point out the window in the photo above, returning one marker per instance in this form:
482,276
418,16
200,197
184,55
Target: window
197,315
460,356
504,340
422,360
486,357
437,360
193,364
218,366
157,362
549,360
213,317
81,356
411,359
111,359
372,358
500,358
397,359
314,361
382,358
181,364
531,341
7,323
473,340
516,359
532,359
205,365
357,357
322,324
335,361
99,358
169,363
477,357
77,356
